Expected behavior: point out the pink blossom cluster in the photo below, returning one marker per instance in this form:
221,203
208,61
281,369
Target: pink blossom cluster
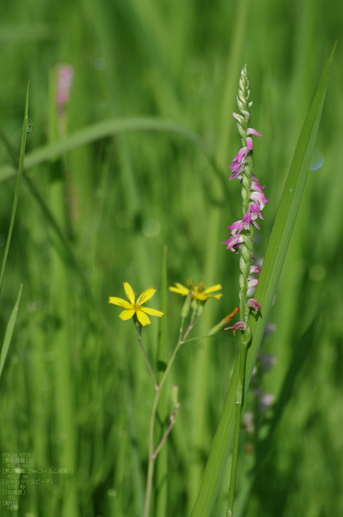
257,198
241,158
256,205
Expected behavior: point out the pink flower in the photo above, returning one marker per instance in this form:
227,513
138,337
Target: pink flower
64,83
259,198
253,304
244,224
252,131
255,211
238,162
234,243
238,226
250,143
240,325
256,194
252,215
240,159
255,270
252,283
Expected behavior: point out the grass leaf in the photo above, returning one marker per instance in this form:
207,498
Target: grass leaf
9,332
97,132
17,188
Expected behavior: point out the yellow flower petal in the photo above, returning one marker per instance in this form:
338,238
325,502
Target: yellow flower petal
200,296
126,315
213,288
180,289
129,293
143,318
203,296
120,302
198,290
152,312
145,296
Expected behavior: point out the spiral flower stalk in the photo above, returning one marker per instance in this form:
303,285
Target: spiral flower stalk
253,202
242,238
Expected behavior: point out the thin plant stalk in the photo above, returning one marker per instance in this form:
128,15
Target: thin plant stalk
167,433
139,334
152,452
9,331
242,237
237,428
152,458
17,189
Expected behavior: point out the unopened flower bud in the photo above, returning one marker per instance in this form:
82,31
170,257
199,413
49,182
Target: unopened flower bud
175,396
186,306
223,322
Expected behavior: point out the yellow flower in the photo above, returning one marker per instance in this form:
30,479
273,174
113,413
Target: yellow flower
199,291
135,305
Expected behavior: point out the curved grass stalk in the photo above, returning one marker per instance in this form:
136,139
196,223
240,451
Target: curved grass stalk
105,129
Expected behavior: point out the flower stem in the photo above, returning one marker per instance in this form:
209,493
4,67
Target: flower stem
167,433
191,325
152,455
139,334
238,415
247,251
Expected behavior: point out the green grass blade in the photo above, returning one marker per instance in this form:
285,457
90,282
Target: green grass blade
105,129
9,332
287,214
17,188
70,257
97,132
274,259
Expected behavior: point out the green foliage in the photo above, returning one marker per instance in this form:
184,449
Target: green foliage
97,209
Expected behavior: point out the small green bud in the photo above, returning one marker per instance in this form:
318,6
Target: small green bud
223,322
186,306
175,396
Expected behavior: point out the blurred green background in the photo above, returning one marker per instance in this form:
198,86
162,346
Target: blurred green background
75,391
